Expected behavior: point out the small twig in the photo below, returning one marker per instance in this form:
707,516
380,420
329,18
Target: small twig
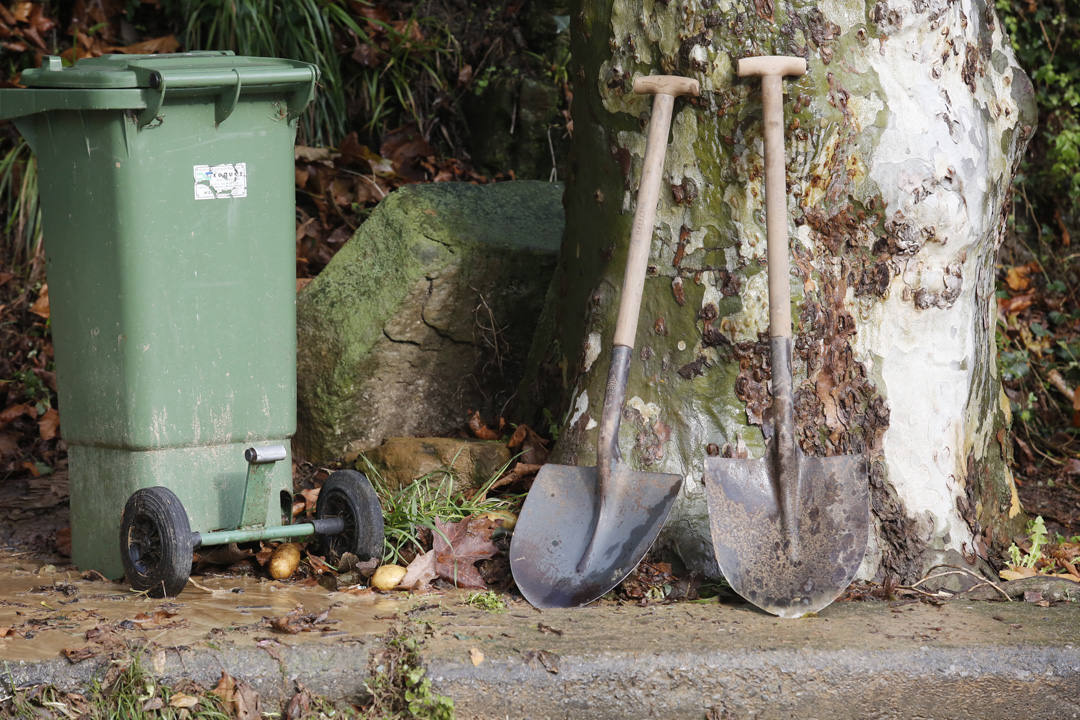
925,593
374,184
957,570
203,587
931,577
554,176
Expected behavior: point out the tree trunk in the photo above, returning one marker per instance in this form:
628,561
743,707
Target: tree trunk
902,140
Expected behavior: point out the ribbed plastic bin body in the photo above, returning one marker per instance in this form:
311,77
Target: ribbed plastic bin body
167,199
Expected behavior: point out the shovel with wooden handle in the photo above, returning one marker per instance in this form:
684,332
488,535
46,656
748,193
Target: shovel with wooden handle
583,529
789,531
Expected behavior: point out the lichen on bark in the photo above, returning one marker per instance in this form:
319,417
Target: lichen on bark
902,140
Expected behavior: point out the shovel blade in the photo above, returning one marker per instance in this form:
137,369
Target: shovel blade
789,575
561,515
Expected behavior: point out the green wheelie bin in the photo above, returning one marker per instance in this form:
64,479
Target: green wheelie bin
168,208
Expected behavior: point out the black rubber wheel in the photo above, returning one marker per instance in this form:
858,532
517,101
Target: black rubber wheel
155,542
347,494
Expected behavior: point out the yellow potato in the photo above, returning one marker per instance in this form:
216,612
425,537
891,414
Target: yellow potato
284,561
509,519
387,577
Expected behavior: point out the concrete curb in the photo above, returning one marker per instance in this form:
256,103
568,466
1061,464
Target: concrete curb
692,660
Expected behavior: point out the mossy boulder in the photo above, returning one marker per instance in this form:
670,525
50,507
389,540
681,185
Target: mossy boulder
427,312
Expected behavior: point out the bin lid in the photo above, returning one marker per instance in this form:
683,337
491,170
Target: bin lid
142,71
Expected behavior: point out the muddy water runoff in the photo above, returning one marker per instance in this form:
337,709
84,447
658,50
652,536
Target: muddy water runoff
46,609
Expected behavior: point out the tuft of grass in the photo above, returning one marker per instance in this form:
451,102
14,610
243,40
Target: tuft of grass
399,686
299,29
127,691
22,237
418,58
411,510
486,600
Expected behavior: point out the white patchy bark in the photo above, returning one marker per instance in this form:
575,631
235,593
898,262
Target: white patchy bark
902,141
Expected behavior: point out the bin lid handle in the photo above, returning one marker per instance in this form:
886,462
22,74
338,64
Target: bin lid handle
231,82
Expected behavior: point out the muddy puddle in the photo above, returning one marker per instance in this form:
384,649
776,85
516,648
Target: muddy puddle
48,611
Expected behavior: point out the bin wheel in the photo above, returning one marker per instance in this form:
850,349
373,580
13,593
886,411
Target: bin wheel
155,542
348,494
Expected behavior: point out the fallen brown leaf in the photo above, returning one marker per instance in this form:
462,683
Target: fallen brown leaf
457,545
284,624
159,618
13,411
1016,573
248,704
478,428
49,424
1018,278
521,472
549,660
299,705
238,697
534,449
270,647
419,573
476,656
154,703
153,46
183,700
225,688
318,564
62,542
1013,305
41,305
298,621
77,655
21,11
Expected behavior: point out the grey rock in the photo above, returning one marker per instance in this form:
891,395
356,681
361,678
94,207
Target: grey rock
427,312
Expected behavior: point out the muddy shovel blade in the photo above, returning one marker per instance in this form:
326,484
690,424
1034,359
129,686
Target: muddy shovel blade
561,516
788,574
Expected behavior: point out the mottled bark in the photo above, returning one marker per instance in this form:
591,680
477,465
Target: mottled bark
902,140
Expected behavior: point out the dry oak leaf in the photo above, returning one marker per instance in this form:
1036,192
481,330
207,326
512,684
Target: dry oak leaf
479,428
13,411
77,655
458,545
419,573
41,305
49,424
183,700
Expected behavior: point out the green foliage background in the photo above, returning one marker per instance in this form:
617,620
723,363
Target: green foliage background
1046,37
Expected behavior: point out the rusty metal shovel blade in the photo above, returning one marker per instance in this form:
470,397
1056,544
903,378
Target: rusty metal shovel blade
788,574
789,531
561,517
583,529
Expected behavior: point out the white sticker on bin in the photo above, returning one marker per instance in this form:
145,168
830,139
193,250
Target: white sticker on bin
214,182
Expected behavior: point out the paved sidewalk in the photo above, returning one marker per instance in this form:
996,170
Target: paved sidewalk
688,660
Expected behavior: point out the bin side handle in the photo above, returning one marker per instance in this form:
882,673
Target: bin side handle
227,100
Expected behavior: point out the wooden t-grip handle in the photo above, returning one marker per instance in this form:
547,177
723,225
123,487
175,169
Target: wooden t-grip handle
673,85
772,69
772,65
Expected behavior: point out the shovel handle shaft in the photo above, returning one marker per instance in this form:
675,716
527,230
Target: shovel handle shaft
665,88
772,70
785,457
